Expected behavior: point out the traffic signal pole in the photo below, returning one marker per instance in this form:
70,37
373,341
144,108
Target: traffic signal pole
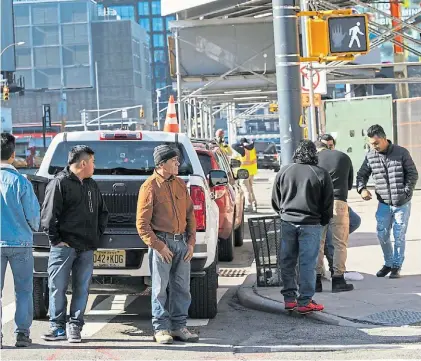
287,58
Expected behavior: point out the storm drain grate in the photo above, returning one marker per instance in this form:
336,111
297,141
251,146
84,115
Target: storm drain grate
395,317
232,272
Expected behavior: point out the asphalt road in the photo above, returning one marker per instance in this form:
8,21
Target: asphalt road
119,328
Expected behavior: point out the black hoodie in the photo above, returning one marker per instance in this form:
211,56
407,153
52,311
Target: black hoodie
303,194
74,211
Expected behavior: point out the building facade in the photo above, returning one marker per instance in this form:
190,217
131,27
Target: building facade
66,42
147,13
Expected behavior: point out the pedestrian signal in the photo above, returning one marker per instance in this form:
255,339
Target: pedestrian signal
273,108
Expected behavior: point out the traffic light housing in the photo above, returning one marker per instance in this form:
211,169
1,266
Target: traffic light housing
141,113
6,93
273,107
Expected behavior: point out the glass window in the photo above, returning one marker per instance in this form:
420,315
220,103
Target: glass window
47,57
75,55
138,79
45,35
156,7
21,14
157,24
206,162
27,75
73,12
145,24
160,84
136,64
158,40
23,34
75,34
77,76
124,158
45,13
159,56
136,48
160,71
143,8
47,78
23,57
125,12
167,20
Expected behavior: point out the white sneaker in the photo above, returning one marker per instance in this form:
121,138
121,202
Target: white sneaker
184,335
353,276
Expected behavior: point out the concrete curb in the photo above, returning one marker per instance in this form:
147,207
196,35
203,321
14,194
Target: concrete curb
249,297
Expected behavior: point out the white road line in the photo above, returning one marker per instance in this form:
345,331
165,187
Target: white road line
8,313
97,318
200,323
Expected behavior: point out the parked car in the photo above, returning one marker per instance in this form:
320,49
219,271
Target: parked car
267,156
229,198
123,161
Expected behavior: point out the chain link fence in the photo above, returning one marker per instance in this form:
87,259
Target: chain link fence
408,128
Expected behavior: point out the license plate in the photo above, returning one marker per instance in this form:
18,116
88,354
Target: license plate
110,259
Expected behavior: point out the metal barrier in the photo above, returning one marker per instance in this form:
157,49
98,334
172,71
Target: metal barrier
266,236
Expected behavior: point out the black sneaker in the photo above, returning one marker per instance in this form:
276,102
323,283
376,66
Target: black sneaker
395,273
56,335
384,271
74,333
22,340
319,286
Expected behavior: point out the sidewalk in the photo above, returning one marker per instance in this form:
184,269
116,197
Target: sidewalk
375,301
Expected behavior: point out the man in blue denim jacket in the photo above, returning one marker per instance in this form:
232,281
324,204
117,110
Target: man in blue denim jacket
20,216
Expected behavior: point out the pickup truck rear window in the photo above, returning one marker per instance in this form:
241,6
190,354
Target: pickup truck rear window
265,147
119,157
205,161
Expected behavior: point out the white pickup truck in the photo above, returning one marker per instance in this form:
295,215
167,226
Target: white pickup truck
123,161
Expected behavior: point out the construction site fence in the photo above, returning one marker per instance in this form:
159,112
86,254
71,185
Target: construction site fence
408,128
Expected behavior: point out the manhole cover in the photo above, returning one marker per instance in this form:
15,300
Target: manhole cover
395,317
232,272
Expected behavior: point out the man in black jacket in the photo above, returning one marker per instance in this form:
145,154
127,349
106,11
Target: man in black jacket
395,176
303,197
74,216
339,166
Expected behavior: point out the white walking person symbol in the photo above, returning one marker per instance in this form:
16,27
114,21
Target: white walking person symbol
354,32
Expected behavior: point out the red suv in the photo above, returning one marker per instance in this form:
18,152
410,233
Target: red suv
229,198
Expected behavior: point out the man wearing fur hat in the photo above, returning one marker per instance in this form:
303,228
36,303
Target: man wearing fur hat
166,223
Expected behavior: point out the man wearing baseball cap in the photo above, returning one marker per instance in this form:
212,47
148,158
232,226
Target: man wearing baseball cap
166,223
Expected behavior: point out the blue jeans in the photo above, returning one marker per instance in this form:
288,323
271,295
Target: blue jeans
354,224
22,264
170,312
302,242
61,262
396,218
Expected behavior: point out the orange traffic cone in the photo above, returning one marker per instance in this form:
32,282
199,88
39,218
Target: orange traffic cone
171,122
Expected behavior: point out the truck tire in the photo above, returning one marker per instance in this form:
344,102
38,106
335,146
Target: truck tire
204,302
41,297
239,233
226,249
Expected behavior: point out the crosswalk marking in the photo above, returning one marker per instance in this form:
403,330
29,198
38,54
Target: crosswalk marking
103,313
8,313
117,307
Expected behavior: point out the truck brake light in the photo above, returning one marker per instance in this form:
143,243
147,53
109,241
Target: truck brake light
199,202
121,136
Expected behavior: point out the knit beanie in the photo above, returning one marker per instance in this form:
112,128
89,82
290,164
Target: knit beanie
164,152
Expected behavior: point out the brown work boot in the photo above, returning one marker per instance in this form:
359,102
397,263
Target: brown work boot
163,337
183,334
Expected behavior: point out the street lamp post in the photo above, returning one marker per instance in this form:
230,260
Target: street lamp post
10,45
158,96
